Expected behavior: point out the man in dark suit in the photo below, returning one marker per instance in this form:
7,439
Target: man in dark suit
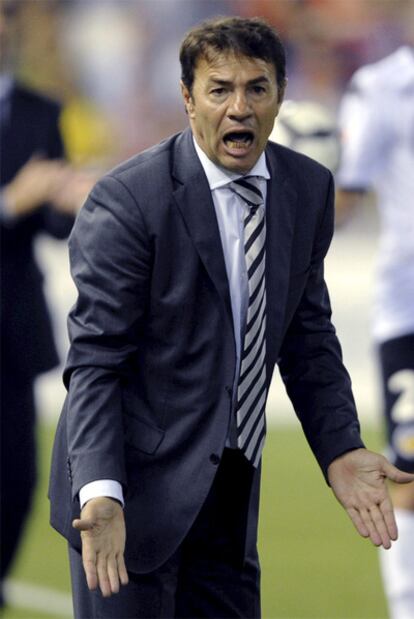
199,266
31,174
27,344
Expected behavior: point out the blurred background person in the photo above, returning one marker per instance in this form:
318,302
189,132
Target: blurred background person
39,193
377,127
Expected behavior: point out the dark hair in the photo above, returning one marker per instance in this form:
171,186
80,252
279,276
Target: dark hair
251,37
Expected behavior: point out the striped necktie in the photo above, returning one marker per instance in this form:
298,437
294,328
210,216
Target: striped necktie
251,390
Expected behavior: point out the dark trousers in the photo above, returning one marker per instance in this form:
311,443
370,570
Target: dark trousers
397,366
214,573
17,462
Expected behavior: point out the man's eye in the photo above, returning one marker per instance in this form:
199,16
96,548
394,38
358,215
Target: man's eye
218,91
258,90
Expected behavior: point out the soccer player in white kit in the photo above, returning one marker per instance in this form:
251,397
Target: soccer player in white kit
376,120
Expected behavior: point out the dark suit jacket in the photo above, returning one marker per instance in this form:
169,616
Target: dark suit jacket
152,359
28,126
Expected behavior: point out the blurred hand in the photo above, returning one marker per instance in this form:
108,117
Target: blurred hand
33,185
54,182
73,190
357,479
346,204
102,528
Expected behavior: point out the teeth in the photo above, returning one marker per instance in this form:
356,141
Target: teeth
239,145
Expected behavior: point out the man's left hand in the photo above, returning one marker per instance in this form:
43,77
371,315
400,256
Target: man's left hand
357,479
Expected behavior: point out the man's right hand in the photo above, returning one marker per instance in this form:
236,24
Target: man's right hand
102,529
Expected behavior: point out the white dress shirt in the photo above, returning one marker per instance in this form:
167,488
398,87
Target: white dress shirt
230,212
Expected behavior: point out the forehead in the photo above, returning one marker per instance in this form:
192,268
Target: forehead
222,66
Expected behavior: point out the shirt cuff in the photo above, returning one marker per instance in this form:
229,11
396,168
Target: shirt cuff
101,487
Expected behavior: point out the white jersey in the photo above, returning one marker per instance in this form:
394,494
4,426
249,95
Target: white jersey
377,124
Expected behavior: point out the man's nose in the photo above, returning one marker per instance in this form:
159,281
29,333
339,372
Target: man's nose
239,105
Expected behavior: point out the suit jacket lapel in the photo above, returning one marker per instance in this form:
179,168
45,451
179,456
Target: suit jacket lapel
280,219
193,197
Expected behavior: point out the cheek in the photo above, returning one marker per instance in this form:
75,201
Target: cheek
268,121
211,127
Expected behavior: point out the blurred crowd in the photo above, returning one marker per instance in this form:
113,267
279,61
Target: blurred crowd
114,63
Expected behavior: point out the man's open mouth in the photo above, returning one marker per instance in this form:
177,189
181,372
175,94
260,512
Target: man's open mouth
238,139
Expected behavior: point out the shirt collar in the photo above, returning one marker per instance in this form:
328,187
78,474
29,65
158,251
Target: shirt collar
219,177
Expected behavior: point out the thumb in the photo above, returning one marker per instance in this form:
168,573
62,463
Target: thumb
394,474
82,524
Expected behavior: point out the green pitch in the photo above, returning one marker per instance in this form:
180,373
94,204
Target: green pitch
314,566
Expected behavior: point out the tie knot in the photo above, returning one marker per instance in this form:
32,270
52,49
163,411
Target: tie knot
248,188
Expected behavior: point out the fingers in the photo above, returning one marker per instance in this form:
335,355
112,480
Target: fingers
102,530
89,565
82,524
117,573
379,533
107,572
358,522
358,480
122,571
376,522
96,571
113,576
367,527
389,518
103,577
397,476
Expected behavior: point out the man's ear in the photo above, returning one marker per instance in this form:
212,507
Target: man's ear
188,99
280,96
281,92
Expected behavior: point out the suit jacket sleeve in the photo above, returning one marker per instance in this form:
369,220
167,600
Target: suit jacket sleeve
311,361
110,262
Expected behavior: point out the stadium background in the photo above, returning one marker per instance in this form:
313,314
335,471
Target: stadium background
114,66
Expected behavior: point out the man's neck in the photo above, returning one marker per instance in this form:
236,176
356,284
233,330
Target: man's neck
222,175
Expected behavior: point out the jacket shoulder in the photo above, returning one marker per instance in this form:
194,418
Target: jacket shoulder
144,179
147,176
148,162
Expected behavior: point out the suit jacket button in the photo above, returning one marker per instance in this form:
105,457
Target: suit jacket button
229,391
214,459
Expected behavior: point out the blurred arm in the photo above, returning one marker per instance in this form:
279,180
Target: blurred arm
365,144
50,188
347,201
32,186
